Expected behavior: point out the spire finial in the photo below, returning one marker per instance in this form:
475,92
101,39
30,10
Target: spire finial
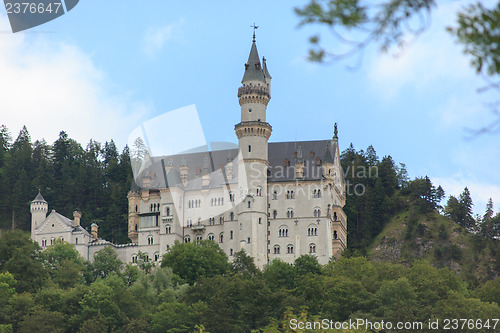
255,27
335,131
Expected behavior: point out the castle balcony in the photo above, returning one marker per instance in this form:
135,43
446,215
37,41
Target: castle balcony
198,227
167,219
253,128
254,90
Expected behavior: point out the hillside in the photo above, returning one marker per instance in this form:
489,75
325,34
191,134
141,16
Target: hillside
411,235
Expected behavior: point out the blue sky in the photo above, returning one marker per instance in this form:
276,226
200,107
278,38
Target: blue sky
108,66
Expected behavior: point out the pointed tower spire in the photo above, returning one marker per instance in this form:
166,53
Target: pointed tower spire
253,67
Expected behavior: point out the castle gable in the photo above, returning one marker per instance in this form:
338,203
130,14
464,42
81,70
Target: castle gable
56,223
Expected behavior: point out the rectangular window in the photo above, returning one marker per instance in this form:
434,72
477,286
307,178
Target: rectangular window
249,148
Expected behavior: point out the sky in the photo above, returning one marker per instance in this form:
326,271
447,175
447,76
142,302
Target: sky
106,67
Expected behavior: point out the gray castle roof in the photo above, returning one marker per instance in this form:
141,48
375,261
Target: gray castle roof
39,198
253,67
164,171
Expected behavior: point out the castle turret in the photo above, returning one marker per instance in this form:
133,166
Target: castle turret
133,215
76,217
94,230
205,180
184,172
299,164
328,163
253,133
39,208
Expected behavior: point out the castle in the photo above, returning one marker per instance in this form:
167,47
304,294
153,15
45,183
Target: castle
273,200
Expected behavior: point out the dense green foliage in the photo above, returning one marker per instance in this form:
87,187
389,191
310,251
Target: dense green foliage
94,180
389,23
72,295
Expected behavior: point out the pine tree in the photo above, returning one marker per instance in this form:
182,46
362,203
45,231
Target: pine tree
466,219
371,156
486,223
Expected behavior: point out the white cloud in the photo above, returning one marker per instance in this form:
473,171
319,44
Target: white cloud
51,86
155,37
426,62
480,191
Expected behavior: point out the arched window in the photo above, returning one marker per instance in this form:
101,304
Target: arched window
167,211
231,196
187,239
318,161
150,240
292,195
315,193
168,229
289,249
312,230
289,213
230,252
231,216
260,220
231,234
211,237
312,248
249,205
221,219
335,216
136,227
198,239
259,191
136,208
275,195
276,249
335,236
44,242
156,256
221,237
275,214
317,212
286,163
134,258
283,231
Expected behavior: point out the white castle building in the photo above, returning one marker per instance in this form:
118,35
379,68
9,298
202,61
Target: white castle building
271,199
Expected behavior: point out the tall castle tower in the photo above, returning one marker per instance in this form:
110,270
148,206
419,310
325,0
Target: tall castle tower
253,133
39,208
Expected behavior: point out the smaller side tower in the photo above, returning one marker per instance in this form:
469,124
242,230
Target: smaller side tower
133,215
39,208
